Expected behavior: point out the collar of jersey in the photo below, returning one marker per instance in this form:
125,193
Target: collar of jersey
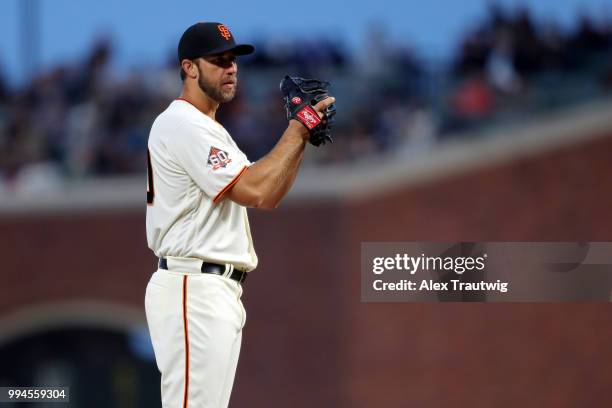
196,108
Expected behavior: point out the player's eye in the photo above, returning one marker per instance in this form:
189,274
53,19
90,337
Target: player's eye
224,62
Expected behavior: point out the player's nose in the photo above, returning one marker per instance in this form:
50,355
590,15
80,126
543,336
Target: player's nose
233,68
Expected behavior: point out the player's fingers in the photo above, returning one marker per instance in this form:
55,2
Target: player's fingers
319,107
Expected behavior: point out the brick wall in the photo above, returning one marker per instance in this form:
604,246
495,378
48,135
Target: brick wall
309,342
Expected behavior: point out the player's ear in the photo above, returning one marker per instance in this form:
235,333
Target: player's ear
190,68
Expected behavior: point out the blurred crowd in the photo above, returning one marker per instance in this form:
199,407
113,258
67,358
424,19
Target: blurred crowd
83,119
509,61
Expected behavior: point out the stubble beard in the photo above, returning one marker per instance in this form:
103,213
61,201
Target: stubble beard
215,92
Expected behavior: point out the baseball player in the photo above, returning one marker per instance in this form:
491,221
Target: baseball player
199,185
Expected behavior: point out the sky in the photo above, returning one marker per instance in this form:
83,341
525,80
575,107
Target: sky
146,31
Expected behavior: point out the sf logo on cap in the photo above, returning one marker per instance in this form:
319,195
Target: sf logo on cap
225,32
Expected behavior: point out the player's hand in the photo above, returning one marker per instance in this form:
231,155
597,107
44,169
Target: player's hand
319,109
324,104
308,101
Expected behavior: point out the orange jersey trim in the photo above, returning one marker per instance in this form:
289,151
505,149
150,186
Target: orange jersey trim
185,100
230,185
186,329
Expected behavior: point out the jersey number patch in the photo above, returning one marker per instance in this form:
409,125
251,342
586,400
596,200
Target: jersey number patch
150,188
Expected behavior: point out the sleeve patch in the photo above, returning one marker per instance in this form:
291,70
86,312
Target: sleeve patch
217,158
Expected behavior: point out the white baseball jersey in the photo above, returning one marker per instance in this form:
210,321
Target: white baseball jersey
193,161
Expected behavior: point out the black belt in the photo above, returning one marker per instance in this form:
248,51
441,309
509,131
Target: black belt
215,269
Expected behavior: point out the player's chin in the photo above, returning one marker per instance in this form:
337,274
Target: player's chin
227,93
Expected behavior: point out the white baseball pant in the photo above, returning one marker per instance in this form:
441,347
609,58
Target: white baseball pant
195,321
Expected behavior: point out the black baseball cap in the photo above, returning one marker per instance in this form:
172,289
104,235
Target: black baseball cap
209,38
